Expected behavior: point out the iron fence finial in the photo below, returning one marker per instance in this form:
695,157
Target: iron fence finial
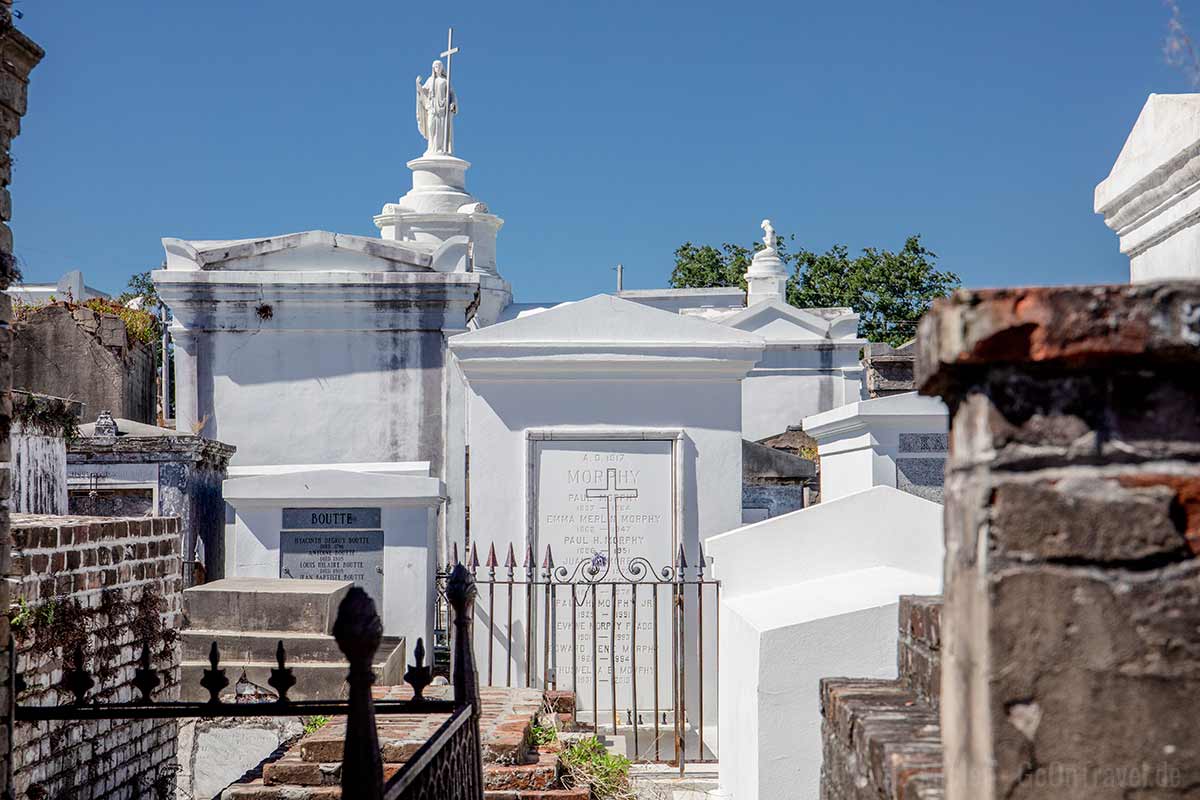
145,678
282,679
214,679
418,675
77,680
460,591
358,632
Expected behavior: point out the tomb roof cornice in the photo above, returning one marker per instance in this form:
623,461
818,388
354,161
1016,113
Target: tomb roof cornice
665,365
316,487
861,416
185,254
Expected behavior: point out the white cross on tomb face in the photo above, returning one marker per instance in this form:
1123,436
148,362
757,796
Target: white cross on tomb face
611,492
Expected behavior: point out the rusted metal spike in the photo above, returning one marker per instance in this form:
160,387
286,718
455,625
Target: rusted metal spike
511,560
77,680
492,563
473,561
530,558
682,561
453,555
214,679
418,675
282,679
548,561
145,678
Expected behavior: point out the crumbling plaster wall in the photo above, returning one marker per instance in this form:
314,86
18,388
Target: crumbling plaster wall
73,352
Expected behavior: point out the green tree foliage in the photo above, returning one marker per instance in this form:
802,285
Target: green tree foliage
889,290
140,285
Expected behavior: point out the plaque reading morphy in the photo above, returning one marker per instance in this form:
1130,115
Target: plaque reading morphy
611,504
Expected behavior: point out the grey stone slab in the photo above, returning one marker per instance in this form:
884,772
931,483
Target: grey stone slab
924,442
922,477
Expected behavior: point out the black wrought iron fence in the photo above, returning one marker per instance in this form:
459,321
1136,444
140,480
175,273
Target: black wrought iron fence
559,627
449,765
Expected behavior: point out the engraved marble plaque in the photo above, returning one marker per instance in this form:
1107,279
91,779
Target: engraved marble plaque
609,505
328,551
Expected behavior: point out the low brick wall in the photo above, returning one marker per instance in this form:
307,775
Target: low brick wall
108,585
881,739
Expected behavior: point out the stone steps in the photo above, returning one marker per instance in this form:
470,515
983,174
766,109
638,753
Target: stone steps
313,681
240,646
513,769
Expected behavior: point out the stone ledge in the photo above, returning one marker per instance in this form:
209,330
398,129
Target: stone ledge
880,741
1076,326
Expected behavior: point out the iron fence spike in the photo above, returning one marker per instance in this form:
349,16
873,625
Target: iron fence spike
530,558
454,555
491,559
474,562
511,560
548,561
418,675
682,558
145,679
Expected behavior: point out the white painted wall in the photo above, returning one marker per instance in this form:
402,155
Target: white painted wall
859,442
1149,198
796,380
809,595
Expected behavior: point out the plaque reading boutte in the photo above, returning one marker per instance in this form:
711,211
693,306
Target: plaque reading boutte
333,544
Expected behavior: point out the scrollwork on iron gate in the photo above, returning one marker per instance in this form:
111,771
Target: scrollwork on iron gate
529,591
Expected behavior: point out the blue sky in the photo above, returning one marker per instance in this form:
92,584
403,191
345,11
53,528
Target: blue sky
601,132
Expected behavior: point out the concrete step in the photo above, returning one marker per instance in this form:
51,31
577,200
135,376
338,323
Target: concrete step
264,604
315,680
239,646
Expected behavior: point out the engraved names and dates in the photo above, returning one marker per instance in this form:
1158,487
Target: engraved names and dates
333,544
609,504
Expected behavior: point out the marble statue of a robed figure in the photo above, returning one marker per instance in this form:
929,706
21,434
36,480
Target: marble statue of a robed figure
436,107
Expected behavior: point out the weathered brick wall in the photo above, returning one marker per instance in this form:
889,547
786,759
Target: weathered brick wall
18,57
919,646
1071,660
881,738
125,576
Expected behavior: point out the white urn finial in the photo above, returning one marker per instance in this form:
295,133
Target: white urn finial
766,277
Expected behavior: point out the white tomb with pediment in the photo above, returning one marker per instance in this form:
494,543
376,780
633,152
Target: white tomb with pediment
1150,198
619,425
329,350
375,525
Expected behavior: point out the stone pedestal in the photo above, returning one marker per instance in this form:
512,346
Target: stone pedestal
1071,667
439,207
766,278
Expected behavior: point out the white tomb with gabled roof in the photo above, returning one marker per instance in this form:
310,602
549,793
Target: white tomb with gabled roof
620,427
